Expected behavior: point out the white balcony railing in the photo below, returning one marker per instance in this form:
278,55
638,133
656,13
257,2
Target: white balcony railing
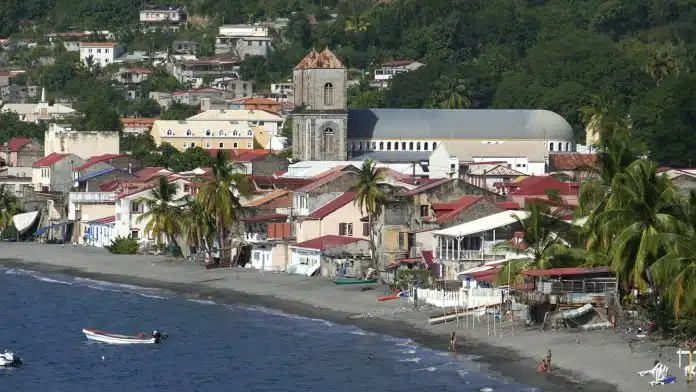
92,197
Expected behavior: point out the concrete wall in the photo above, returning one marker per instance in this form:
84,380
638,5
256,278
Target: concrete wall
268,165
82,144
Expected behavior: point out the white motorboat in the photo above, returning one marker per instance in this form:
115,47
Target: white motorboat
112,338
10,359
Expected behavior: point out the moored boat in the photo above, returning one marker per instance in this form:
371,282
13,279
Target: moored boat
10,359
355,281
112,338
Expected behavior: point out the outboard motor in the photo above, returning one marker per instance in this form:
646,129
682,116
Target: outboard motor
158,336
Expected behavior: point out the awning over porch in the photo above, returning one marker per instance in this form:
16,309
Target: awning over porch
409,261
487,223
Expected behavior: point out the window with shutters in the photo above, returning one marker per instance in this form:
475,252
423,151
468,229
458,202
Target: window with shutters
345,229
366,229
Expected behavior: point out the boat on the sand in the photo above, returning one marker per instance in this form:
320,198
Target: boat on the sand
10,359
355,281
112,338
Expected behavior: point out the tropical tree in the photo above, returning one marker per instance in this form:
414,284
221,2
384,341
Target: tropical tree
199,226
370,200
163,212
8,206
356,24
675,272
637,223
542,246
219,194
450,93
604,117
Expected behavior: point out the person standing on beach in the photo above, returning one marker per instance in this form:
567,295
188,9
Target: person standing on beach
453,342
548,360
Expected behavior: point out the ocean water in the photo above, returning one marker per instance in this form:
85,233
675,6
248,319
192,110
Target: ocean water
211,347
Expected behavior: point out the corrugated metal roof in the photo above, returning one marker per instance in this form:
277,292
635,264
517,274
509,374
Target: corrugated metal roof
333,205
327,241
486,124
567,271
484,224
90,175
49,159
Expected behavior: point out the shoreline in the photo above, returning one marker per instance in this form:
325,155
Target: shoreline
234,286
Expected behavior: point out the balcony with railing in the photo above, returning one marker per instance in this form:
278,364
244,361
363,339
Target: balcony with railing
92,197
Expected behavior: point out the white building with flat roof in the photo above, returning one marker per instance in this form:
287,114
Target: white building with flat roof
102,53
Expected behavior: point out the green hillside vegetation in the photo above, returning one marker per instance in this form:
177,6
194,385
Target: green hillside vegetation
560,55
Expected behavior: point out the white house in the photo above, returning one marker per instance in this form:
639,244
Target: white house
128,209
63,139
269,121
102,53
386,71
163,16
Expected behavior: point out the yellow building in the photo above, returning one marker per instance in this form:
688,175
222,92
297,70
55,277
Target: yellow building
206,134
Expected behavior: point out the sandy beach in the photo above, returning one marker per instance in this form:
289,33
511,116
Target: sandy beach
588,361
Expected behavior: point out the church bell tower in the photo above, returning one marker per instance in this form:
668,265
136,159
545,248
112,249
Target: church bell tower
320,119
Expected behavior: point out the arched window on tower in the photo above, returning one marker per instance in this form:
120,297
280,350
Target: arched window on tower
381,146
328,94
388,146
329,143
551,146
434,146
426,146
410,146
403,146
418,146
396,146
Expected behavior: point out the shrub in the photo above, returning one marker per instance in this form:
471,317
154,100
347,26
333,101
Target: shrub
408,278
123,246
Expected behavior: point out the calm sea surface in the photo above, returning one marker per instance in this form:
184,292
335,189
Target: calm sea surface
211,347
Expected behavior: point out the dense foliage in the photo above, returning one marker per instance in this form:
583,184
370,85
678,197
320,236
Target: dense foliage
553,55
123,246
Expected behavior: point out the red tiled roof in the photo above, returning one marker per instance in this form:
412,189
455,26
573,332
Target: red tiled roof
508,205
323,59
270,196
138,120
447,211
328,241
145,71
16,143
549,202
333,205
105,220
572,161
425,187
96,159
321,181
567,271
537,185
49,159
259,100
262,218
148,172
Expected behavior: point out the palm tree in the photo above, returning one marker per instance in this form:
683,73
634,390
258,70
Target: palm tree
219,195
637,222
450,93
603,117
675,272
199,226
8,207
163,212
544,248
370,200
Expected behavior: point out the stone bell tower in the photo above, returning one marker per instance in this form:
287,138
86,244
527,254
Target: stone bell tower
320,118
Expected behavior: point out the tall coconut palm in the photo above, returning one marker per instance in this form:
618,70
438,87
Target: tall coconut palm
163,212
370,200
604,116
675,273
543,246
199,226
219,195
637,222
8,206
450,93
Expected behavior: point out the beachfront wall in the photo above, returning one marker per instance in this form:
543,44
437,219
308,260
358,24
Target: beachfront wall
467,297
304,261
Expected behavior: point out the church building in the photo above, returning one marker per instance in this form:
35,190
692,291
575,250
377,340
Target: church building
326,130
